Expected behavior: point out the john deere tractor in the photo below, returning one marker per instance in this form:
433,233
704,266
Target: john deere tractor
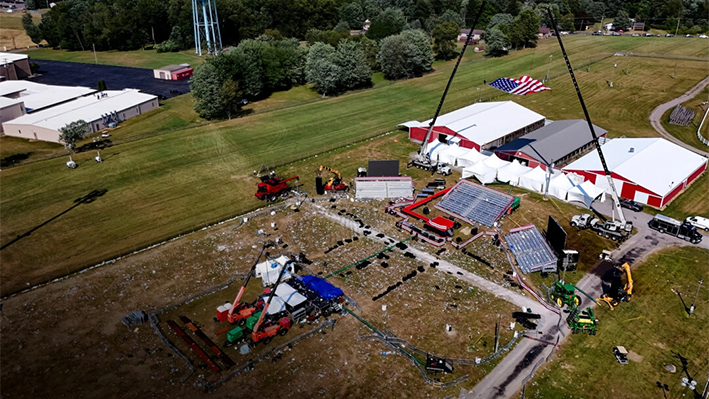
563,294
582,321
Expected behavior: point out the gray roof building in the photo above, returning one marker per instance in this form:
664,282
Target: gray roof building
557,142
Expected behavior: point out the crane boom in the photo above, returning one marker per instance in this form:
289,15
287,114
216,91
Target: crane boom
268,302
616,200
423,151
248,277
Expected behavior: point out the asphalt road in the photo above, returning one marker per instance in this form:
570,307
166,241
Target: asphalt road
656,115
116,77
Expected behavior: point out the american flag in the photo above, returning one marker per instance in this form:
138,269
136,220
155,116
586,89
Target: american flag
521,86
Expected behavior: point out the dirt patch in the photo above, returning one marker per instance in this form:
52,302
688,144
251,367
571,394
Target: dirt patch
635,357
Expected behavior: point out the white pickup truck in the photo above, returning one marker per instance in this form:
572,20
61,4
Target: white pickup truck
698,222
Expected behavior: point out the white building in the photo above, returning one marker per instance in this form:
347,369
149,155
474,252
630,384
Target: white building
98,110
37,96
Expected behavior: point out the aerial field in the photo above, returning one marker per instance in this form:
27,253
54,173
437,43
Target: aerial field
654,327
149,59
162,184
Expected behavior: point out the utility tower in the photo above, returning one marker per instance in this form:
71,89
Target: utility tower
206,26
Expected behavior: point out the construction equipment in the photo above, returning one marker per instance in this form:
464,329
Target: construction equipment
564,294
606,229
582,321
616,295
622,224
422,159
335,183
621,354
271,187
240,311
271,328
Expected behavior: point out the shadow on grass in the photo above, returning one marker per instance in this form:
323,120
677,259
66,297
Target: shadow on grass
13,159
86,199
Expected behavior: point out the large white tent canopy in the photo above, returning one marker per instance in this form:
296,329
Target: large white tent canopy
585,193
559,186
534,180
482,172
510,173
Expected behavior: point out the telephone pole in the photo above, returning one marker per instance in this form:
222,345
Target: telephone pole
677,29
691,308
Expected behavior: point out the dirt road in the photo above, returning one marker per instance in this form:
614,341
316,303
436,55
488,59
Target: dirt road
656,115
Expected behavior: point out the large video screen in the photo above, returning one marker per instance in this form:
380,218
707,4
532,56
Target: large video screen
556,236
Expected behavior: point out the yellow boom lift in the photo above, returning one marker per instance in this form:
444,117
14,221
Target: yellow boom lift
616,295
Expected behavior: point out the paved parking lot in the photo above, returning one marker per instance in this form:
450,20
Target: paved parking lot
116,77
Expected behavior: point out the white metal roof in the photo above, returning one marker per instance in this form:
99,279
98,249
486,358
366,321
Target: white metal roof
482,123
37,96
653,163
6,102
6,58
88,108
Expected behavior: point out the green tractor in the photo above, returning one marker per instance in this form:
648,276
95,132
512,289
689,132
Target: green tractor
582,321
564,294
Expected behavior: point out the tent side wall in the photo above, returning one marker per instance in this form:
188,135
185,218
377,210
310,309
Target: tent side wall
692,177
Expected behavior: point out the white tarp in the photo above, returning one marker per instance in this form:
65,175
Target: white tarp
533,180
559,186
585,193
268,271
510,174
277,305
383,187
290,295
482,172
494,162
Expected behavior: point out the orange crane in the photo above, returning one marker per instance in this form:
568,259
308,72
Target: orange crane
240,311
271,328
335,183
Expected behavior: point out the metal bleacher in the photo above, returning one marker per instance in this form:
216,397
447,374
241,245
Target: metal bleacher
531,250
475,204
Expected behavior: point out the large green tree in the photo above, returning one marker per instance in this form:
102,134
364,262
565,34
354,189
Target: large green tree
525,29
354,70
205,85
622,21
32,30
389,22
445,37
73,132
321,68
497,42
406,55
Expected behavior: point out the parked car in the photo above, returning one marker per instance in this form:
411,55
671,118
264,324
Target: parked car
632,205
616,34
647,34
669,35
688,35
703,36
698,222
596,33
635,35
620,31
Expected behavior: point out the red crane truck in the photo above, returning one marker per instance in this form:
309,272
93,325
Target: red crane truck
266,331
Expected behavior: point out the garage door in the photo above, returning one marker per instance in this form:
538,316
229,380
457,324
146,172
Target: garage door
641,197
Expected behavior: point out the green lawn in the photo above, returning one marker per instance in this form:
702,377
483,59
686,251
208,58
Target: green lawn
14,20
149,59
694,201
169,172
653,325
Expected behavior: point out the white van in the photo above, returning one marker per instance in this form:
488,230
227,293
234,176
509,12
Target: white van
698,222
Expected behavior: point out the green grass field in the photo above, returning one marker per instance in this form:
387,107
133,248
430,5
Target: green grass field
14,20
169,172
653,325
149,59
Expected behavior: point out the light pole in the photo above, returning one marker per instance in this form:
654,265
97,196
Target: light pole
691,308
548,66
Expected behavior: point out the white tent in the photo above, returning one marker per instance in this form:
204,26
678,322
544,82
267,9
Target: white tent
452,155
510,174
268,271
585,193
436,150
277,306
470,157
533,180
482,172
560,185
494,162
290,295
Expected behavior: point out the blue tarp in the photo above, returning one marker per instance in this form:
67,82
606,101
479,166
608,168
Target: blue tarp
326,290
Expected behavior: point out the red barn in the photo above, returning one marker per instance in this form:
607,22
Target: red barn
651,171
482,126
